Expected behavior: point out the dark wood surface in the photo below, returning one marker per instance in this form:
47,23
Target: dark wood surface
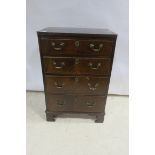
71,30
76,66
74,47
90,85
75,103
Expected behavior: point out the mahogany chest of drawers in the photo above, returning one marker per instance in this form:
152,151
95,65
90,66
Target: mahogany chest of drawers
76,66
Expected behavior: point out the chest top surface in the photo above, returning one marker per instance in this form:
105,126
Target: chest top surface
76,31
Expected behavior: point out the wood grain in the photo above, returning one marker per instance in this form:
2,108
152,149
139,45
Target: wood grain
76,67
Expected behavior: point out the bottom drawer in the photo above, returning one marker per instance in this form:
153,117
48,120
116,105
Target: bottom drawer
72,103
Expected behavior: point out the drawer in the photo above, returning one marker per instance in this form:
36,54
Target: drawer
95,48
76,84
73,103
57,65
50,47
94,66
78,66
68,47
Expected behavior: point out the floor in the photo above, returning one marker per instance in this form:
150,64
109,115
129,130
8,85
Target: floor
77,136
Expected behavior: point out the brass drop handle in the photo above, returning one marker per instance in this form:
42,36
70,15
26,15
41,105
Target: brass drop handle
60,103
61,45
90,104
59,86
62,64
94,67
92,47
93,88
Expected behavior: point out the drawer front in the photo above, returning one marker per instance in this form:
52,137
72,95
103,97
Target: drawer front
76,85
94,66
78,66
73,103
68,47
59,65
95,47
56,47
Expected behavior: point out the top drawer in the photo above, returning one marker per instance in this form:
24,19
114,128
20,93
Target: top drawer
68,47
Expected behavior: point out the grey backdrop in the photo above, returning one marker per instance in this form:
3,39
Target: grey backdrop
112,14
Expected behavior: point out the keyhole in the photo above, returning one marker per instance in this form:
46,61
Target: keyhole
76,43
